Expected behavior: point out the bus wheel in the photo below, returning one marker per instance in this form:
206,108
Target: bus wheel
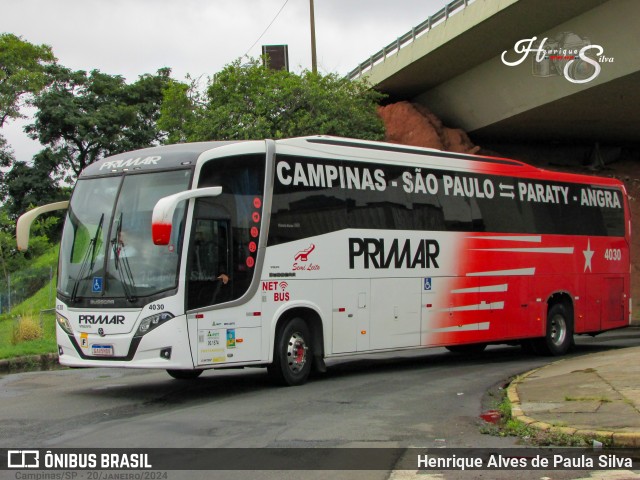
469,348
185,374
292,356
559,335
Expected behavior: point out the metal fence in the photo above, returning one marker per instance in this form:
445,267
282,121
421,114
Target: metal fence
18,286
395,46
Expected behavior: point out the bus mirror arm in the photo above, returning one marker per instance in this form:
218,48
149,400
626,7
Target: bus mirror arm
162,218
23,226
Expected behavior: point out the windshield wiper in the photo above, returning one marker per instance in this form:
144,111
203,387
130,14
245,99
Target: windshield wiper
125,274
89,257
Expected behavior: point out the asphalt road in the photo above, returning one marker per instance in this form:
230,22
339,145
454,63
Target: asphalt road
426,399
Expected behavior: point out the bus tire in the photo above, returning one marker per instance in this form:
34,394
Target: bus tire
185,374
559,333
469,349
292,355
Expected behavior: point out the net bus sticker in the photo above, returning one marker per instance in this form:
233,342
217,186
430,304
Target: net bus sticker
279,290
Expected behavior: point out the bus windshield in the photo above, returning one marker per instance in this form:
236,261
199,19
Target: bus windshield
107,249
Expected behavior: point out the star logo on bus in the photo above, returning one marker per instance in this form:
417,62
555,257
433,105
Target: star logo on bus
588,255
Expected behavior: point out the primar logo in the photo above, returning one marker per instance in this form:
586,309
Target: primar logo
375,254
101,319
131,162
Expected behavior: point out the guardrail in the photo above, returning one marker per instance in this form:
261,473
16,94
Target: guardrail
443,14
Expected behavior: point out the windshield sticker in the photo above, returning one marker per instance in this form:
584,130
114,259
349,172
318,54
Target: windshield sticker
97,285
231,338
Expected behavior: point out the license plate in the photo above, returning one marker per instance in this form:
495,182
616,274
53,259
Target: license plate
102,350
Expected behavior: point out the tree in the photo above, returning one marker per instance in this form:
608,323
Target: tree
23,71
26,185
83,117
250,101
16,268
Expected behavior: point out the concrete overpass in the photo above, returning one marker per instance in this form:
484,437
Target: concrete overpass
455,68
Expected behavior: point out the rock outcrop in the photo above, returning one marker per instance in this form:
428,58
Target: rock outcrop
413,124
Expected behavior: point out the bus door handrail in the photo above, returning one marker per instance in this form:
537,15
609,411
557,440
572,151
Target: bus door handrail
162,217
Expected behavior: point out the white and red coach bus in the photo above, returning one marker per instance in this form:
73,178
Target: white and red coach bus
285,253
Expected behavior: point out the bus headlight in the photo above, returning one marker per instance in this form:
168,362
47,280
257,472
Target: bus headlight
149,323
64,324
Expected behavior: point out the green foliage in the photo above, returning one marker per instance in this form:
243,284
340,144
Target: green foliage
6,154
43,299
21,270
508,426
250,101
83,117
22,72
25,185
179,111
45,344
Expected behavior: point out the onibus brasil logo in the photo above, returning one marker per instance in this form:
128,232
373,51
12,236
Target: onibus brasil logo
567,54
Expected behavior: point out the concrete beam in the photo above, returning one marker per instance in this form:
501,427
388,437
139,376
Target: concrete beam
467,39
491,93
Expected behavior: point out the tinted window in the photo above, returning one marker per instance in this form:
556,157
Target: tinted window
225,231
317,196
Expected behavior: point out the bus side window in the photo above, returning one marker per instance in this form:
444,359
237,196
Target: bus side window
231,223
208,259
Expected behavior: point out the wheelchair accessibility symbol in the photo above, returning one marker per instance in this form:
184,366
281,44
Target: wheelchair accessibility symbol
427,284
97,285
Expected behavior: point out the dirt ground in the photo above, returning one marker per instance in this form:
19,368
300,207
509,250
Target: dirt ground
413,124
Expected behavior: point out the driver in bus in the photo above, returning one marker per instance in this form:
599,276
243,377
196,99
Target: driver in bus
127,245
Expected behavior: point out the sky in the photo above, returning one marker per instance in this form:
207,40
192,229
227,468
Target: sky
199,37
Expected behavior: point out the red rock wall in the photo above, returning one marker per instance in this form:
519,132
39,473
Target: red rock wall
413,124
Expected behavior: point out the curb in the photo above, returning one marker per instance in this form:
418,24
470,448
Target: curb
617,439
46,361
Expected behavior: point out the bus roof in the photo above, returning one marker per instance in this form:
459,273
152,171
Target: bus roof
153,158
186,154
327,142
440,159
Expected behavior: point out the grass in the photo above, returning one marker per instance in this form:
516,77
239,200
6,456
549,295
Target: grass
586,399
26,329
512,427
29,311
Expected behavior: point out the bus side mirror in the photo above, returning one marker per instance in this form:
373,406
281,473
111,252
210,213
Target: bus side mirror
163,212
23,226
